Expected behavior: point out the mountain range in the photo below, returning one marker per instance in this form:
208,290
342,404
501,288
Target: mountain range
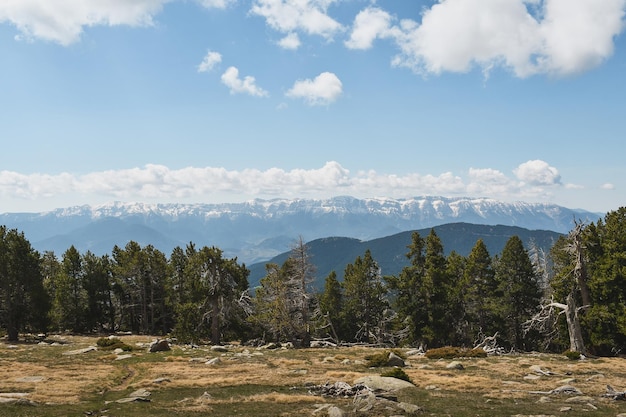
258,230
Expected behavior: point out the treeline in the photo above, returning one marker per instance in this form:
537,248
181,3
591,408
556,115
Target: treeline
197,295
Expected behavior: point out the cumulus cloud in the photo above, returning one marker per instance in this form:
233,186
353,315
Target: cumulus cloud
291,41
607,186
160,183
528,37
537,172
308,16
216,4
247,85
63,21
323,89
369,24
210,61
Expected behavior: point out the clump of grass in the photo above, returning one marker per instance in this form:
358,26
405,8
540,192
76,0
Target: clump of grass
451,352
106,343
572,355
397,373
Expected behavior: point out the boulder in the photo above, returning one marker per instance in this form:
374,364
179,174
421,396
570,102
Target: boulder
159,346
385,383
219,348
395,360
455,365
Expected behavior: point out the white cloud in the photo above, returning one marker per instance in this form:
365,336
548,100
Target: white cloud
247,85
323,89
537,172
308,16
369,24
607,186
63,21
558,37
216,4
291,41
210,61
160,183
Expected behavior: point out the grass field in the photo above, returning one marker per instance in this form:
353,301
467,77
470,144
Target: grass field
58,381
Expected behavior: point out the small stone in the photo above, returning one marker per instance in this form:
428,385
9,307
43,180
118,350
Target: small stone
565,409
580,400
122,357
219,348
214,361
335,412
455,365
161,380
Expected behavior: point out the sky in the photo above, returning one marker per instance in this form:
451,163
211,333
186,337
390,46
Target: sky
210,101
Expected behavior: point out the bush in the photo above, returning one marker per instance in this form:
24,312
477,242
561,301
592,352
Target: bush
572,355
450,352
397,373
106,343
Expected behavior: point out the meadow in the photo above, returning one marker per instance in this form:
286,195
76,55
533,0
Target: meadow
72,378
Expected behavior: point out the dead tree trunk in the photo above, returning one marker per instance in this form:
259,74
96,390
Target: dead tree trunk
573,326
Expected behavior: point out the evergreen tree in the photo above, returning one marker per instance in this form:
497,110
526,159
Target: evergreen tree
271,305
365,298
219,283
331,307
407,289
518,286
605,247
458,322
23,300
479,290
439,330
69,305
97,285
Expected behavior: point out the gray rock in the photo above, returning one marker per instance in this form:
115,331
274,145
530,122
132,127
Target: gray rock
80,351
395,360
159,346
214,361
335,412
384,383
218,348
455,365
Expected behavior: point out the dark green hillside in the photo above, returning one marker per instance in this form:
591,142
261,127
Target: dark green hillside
334,253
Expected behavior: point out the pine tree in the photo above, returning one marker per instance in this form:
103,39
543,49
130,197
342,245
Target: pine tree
407,289
479,290
331,307
518,286
364,298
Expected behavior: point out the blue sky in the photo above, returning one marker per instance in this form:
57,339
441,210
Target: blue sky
229,100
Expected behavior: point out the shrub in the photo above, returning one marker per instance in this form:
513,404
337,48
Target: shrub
451,352
397,373
106,343
572,355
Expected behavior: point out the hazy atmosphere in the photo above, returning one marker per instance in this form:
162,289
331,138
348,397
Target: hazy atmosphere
228,100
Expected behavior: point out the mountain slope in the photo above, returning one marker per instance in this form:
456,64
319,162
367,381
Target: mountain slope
259,229
334,253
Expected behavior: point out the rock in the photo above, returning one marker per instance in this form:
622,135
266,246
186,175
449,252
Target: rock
566,389
531,377
395,360
122,357
415,352
334,412
159,346
409,408
538,370
384,383
214,361
567,381
161,380
581,399
218,348
272,346
138,395
345,362
565,409
455,365
30,379
80,351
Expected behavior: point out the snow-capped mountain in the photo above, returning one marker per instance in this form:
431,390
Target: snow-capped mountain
259,229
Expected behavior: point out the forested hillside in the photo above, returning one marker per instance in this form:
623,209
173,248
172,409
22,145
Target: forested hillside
334,253
439,298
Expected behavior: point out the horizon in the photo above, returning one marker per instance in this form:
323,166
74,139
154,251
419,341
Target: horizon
218,101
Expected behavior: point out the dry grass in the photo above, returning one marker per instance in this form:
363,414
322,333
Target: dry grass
264,380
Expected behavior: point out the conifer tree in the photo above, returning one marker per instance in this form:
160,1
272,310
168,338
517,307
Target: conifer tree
518,287
365,298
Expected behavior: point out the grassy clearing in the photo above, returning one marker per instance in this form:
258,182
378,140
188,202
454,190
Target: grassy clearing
247,382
